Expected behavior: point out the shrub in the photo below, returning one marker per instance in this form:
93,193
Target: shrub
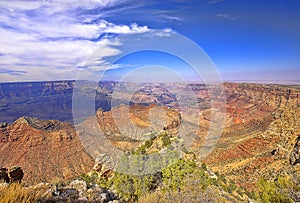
223,178
142,149
273,192
148,143
203,166
166,140
89,179
176,175
131,187
232,185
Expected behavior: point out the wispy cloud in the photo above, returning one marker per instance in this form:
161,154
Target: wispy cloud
175,14
175,18
42,40
11,72
215,1
226,16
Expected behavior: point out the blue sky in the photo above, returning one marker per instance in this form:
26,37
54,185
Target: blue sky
52,40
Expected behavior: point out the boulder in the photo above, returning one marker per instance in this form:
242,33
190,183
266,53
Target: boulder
3,125
77,191
65,195
4,175
80,186
98,194
15,174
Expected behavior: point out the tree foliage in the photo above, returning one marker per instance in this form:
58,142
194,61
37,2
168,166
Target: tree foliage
132,187
274,191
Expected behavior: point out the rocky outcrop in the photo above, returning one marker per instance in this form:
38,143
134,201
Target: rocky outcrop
45,150
295,154
48,125
4,175
104,165
77,191
137,122
13,175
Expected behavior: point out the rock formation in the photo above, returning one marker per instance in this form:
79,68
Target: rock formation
260,136
135,121
13,175
266,143
104,165
45,150
295,154
4,175
75,191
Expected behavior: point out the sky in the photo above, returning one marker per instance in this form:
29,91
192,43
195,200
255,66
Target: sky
251,40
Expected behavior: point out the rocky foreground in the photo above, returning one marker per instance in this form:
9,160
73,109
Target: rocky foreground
184,178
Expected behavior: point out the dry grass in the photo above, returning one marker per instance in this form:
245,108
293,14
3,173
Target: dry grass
17,193
212,194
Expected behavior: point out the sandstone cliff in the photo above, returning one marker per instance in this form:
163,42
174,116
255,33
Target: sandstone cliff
260,138
45,150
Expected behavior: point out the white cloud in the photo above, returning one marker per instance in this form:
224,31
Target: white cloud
176,18
123,29
50,39
164,33
20,5
226,16
55,6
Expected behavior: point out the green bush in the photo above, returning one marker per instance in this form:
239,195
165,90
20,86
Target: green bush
104,182
131,187
166,140
142,149
175,176
203,166
179,176
148,143
89,179
223,178
273,192
232,185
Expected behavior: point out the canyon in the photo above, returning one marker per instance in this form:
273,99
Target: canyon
259,137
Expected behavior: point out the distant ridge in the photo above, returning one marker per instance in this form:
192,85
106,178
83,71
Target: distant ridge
278,82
